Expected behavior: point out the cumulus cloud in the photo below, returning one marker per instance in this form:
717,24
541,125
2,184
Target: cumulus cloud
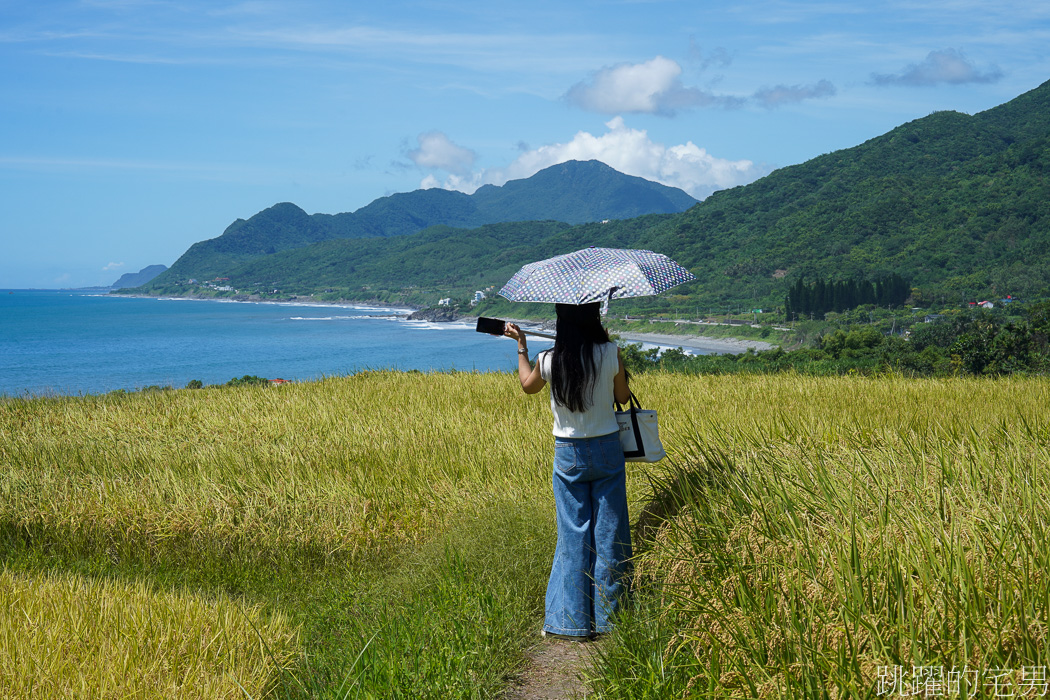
653,87
784,94
631,151
948,66
437,151
112,266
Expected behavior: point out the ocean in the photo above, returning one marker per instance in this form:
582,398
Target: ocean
70,342
79,342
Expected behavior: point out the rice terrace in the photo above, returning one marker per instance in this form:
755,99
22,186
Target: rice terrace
388,534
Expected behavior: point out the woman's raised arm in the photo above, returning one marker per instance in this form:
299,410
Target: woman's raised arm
531,380
621,391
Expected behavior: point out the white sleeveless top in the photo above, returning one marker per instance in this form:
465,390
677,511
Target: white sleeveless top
600,417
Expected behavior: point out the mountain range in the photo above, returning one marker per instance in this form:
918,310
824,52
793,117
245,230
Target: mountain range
957,204
137,279
572,192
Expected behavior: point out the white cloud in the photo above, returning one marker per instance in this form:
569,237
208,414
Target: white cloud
639,87
784,94
112,266
477,51
631,151
437,151
653,87
948,66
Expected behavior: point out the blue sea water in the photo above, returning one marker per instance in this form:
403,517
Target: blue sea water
77,342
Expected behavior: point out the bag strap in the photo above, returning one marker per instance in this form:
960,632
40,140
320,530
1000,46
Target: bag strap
639,450
632,403
634,407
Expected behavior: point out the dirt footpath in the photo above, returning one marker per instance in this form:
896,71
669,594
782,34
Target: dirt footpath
553,672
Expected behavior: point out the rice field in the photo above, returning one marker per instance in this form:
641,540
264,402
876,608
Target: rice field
847,538
152,643
389,534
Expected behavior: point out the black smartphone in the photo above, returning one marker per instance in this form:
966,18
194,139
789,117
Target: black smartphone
492,326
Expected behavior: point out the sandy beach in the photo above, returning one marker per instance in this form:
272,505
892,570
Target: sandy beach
699,343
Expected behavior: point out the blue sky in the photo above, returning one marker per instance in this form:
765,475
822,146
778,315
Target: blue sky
130,129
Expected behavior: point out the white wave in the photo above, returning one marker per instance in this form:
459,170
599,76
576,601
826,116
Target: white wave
324,305
340,318
661,348
381,309
390,310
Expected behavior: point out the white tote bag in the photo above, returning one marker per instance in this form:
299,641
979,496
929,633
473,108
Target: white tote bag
639,433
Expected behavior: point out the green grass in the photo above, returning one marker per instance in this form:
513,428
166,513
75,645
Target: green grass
390,534
835,532
301,499
399,522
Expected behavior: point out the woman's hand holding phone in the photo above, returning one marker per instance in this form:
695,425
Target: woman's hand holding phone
513,331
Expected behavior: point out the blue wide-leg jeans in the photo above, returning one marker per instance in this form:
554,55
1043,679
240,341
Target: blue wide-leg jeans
594,535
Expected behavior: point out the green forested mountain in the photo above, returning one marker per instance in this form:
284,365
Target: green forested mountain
573,192
281,227
434,263
578,192
137,279
437,259
957,205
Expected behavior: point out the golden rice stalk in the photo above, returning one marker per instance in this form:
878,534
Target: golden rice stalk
68,636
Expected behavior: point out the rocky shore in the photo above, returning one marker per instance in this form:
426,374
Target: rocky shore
435,314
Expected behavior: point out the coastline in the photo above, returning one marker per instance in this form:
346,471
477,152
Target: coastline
702,344
697,343
402,310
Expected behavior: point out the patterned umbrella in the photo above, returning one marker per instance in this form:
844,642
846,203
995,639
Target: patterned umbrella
595,274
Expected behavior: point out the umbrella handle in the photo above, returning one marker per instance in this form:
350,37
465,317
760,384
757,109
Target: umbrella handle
541,335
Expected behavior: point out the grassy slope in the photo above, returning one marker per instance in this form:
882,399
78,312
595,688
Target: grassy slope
821,537
408,553
341,504
822,528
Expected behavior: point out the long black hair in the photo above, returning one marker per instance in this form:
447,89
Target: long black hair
573,369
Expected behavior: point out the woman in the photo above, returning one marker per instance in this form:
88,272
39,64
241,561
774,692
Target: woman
586,374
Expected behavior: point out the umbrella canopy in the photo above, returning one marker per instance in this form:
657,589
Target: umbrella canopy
595,274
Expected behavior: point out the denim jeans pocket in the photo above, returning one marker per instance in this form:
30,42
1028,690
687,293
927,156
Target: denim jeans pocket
565,457
612,452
